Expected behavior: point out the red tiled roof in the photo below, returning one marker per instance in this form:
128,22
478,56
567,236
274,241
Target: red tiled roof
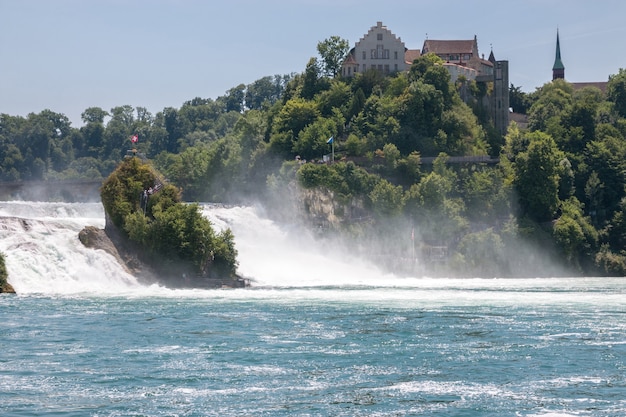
350,58
448,47
411,55
599,84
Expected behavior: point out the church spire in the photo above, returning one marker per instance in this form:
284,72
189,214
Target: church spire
558,69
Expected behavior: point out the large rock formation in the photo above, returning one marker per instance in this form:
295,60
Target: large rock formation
5,287
158,238
147,269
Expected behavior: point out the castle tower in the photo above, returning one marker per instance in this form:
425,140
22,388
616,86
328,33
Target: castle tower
558,69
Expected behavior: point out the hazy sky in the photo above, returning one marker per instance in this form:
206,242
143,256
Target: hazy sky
68,55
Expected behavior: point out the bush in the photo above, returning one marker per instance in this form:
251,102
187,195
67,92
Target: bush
3,271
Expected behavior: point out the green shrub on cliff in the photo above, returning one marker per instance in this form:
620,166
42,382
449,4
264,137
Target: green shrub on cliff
3,271
151,213
4,276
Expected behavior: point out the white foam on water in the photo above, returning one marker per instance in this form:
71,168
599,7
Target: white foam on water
285,264
43,253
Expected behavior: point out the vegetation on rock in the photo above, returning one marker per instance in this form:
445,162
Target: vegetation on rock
149,211
4,275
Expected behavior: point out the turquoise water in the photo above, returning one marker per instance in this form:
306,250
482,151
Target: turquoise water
319,352
83,338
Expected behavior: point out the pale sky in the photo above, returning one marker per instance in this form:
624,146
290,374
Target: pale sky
68,55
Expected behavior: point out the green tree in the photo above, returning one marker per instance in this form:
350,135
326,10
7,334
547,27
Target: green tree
617,230
333,51
518,99
235,98
173,124
311,142
392,155
93,134
616,91
574,234
311,84
537,177
292,118
607,160
553,100
483,254
482,192
409,169
265,90
94,115
338,96
387,199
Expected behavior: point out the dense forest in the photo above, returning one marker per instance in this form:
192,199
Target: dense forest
552,200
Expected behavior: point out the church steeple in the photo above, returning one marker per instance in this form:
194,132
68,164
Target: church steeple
558,69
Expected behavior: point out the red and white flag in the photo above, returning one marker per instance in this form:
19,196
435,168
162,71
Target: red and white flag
134,138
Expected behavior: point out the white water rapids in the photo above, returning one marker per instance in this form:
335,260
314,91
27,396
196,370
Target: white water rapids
44,256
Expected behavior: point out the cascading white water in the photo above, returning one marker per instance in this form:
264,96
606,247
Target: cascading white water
43,253
272,255
44,256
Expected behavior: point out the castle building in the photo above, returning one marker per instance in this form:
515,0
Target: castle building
460,56
381,50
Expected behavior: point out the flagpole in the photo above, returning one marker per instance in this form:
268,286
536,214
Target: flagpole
331,140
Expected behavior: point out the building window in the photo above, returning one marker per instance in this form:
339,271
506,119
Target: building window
395,54
364,55
379,36
395,67
386,68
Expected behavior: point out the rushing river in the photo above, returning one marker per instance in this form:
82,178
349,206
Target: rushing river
315,335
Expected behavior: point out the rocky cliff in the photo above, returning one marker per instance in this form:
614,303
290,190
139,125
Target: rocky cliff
148,268
323,209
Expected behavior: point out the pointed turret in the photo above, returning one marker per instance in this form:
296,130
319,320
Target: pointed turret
558,69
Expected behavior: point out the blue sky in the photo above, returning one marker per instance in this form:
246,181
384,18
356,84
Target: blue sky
68,55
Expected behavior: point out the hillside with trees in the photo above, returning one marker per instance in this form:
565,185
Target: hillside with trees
549,200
